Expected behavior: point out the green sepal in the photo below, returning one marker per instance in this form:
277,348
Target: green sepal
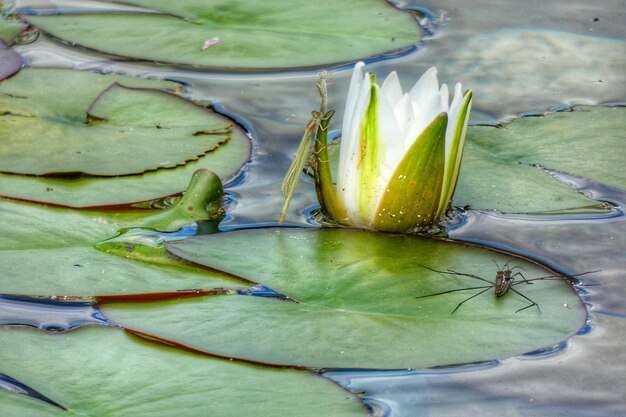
324,187
412,196
451,175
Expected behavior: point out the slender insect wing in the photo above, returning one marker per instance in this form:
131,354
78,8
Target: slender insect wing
297,164
304,149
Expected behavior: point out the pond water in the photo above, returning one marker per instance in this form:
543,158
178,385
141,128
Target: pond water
519,58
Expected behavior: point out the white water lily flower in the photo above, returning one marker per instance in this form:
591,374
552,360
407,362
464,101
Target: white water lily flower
400,153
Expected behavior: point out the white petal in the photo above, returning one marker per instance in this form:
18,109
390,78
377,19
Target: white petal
424,113
351,126
404,114
392,140
445,97
425,87
347,178
391,88
353,92
426,99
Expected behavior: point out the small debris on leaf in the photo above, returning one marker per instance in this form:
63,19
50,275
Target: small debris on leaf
210,42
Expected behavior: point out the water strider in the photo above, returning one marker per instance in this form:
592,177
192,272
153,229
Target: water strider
505,280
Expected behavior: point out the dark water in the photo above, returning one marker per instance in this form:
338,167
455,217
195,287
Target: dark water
524,58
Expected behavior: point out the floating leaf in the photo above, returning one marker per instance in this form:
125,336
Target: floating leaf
10,61
274,34
127,131
357,305
63,93
102,371
44,92
588,142
497,170
46,250
9,29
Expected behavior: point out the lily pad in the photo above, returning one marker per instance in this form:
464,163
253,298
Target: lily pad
498,169
488,181
10,61
589,142
9,29
121,124
277,34
104,372
51,93
44,92
357,305
46,250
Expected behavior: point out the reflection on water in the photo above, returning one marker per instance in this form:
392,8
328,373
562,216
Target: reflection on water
49,313
518,57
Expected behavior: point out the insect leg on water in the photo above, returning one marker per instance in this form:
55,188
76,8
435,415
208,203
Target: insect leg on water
504,281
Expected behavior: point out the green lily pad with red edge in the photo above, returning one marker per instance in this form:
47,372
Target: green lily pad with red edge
238,35
51,251
46,96
356,302
10,61
124,131
104,372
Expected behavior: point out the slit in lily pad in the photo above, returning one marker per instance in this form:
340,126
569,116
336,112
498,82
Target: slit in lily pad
13,385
